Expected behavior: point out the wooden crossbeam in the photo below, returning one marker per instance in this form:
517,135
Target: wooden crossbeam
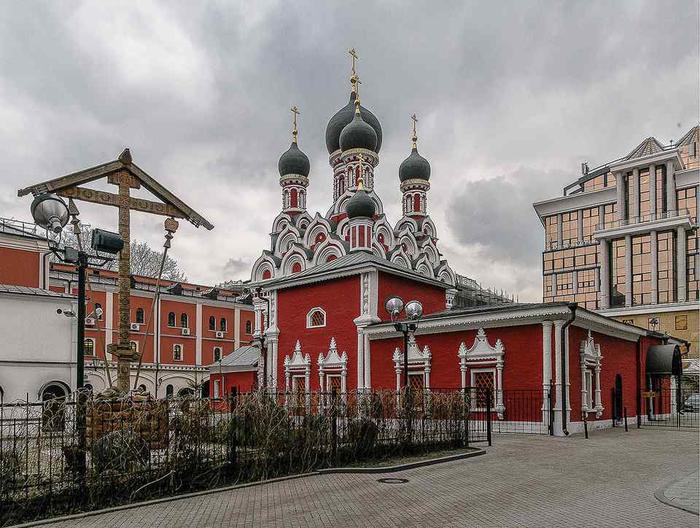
107,198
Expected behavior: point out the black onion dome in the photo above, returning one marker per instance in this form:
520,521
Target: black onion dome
294,161
414,167
342,117
358,134
360,205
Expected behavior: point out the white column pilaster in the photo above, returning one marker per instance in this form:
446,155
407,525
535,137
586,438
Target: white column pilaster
198,334
604,276
558,430
360,359
367,363
653,237
652,189
670,187
236,327
620,183
681,264
628,270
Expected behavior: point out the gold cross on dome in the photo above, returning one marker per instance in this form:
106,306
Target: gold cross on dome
353,55
415,135
295,113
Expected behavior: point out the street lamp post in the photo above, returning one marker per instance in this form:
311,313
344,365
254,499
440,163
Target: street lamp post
413,310
51,212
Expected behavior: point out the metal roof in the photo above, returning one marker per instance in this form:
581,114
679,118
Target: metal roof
26,290
356,259
243,358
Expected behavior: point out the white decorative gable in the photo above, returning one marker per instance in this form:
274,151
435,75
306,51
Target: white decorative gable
591,363
481,350
481,354
333,359
415,355
298,360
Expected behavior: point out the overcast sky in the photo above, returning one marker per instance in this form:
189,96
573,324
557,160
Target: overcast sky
511,97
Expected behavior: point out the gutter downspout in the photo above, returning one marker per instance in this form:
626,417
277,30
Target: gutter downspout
564,353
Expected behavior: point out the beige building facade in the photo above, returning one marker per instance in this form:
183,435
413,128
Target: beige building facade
623,238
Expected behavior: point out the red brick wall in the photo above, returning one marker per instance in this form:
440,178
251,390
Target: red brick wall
340,298
523,357
432,297
19,267
242,381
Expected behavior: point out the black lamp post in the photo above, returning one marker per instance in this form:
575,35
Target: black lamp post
51,212
413,310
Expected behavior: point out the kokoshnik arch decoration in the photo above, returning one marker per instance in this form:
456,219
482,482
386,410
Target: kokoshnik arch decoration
299,241
125,175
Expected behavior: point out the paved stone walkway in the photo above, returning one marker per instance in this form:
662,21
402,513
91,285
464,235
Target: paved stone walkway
683,493
608,480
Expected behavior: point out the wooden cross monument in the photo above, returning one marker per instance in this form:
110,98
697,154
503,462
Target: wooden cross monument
126,175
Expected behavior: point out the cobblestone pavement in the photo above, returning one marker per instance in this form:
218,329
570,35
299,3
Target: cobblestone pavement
608,480
683,493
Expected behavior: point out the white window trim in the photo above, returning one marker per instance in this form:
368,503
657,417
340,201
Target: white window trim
492,371
182,351
310,314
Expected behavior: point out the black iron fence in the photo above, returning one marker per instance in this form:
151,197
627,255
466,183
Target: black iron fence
66,455
677,407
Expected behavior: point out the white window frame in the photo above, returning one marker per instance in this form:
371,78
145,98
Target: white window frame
492,371
182,351
310,314
588,380
416,374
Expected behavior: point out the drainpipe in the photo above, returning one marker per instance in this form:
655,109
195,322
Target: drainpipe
564,353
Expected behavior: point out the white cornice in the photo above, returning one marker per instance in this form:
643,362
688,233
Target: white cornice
664,155
576,201
661,224
687,178
650,309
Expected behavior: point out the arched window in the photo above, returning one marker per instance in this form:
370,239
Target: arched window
169,391
248,327
184,320
293,198
171,319
134,346
296,267
177,352
212,323
142,388
316,318
266,274
217,353
331,257
139,315
416,203
222,324
89,346
98,310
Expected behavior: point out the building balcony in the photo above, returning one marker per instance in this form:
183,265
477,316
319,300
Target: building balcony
660,221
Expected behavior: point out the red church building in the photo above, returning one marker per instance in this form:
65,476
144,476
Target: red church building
322,286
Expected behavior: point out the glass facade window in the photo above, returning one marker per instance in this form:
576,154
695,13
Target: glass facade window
547,293
565,283
689,154
610,180
551,224
609,214
590,223
661,190
618,280
666,263
687,199
595,183
644,204
587,294
569,227
627,179
641,269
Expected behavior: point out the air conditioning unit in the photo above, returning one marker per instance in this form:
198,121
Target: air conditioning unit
134,327
220,334
89,321
185,331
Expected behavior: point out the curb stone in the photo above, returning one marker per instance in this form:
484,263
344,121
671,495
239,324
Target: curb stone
122,507
660,495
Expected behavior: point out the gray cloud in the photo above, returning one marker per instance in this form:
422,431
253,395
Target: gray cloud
510,96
